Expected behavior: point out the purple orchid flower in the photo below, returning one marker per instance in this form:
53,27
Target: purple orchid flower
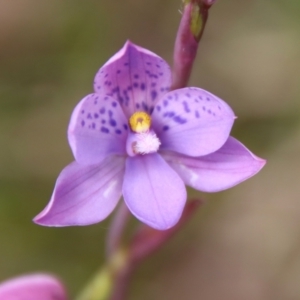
32,287
135,137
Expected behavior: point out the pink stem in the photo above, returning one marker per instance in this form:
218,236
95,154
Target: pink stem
116,229
187,39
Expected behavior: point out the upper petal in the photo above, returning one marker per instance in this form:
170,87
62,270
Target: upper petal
136,77
192,121
84,195
32,287
230,165
97,129
153,192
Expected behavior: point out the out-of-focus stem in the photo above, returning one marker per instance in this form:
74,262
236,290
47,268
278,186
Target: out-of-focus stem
109,283
190,31
112,281
116,229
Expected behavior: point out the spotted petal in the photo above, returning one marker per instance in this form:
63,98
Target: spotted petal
32,287
153,192
84,195
134,76
227,167
98,128
192,121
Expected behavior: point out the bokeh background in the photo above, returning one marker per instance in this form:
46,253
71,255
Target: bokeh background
244,243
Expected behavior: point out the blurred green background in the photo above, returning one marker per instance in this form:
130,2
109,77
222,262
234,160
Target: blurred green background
245,242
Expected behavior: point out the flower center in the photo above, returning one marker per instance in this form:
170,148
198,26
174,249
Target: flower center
142,140
140,122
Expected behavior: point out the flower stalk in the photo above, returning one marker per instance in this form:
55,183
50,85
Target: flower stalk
190,31
116,229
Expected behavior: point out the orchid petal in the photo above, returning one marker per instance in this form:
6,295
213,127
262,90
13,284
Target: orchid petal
192,121
135,77
84,195
32,287
153,191
225,168
98,128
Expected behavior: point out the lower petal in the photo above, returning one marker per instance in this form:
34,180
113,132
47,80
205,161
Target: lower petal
153,192
227,167
84,195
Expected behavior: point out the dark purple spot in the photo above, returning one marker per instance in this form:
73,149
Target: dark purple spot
93,125
161,73
158,108
219,107
145,106
129,88
186,107
136,76
153,84
200,97
165,102
188,95
114,104
125,126
208,99
112,122
179,120
169,114
166,127
105,75
135,84
103,121
143,87
102,110
104,129
126,64
197,115
89,116
153,95
118,131
154,76
158,66
105,98
170,97
209,111
151,109
115,90
137,105
204,108
96,115
149,63
110,113
82,111
99,87
120,99
82,123
119,71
